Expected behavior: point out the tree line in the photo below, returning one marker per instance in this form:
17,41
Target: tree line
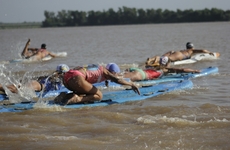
125,16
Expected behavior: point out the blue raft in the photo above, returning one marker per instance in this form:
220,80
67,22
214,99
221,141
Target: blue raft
113,97
167,78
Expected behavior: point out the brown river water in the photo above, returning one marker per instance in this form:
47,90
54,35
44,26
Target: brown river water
198,118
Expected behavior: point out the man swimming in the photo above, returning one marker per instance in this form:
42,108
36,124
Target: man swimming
35,54
177,55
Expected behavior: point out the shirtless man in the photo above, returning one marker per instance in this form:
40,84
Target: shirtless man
42,83
137,74
177,55
164,67
35,54
35,85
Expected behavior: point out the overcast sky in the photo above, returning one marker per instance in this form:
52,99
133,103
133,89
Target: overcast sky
33,10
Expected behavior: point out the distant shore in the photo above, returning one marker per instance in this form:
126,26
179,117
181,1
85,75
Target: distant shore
20,25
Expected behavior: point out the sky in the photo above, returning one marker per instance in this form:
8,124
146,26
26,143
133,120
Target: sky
13,11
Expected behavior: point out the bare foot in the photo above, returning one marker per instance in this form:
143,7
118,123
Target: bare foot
147,61
60,98
74,99
151,61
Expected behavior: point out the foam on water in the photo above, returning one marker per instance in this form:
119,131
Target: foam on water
147,119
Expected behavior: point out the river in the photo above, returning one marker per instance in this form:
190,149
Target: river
198,118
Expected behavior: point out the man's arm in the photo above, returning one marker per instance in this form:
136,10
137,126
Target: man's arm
52,55
202,51
182,70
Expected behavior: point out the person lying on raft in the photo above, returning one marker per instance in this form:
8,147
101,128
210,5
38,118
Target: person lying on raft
35,54
164,67
177,55
80,80
43,83
150,73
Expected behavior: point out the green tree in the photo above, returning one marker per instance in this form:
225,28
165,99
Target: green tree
130,15
127,15
79,18
50,19
151,16
142,16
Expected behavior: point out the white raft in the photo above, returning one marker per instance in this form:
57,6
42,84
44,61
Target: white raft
58,54
197,57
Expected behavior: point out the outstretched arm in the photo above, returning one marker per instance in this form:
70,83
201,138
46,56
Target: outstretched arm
181,70
202,51
11,87
121,81
52,55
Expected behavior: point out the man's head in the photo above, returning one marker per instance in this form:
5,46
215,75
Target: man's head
43,46
189,45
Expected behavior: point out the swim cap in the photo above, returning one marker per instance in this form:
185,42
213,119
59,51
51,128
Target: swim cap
112,67
164,60
189,45
43,45
62,68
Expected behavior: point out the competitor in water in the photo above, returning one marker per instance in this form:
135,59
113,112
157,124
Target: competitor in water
138,74
80,80
177,55
35,54
164,67
151,73
42,83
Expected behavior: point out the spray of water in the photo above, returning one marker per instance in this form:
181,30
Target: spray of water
7,77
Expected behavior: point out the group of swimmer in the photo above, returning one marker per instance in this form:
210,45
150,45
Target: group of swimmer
80,80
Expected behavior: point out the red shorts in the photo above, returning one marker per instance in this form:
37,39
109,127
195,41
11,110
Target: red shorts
71,73
152,74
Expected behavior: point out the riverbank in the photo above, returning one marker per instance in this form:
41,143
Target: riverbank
20,25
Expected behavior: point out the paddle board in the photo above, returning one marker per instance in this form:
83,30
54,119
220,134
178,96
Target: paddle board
3,97
203,72
58,54
113,97
166,78
115,86
197,57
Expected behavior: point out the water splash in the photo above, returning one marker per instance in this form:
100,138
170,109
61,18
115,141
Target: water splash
42,93
8,77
